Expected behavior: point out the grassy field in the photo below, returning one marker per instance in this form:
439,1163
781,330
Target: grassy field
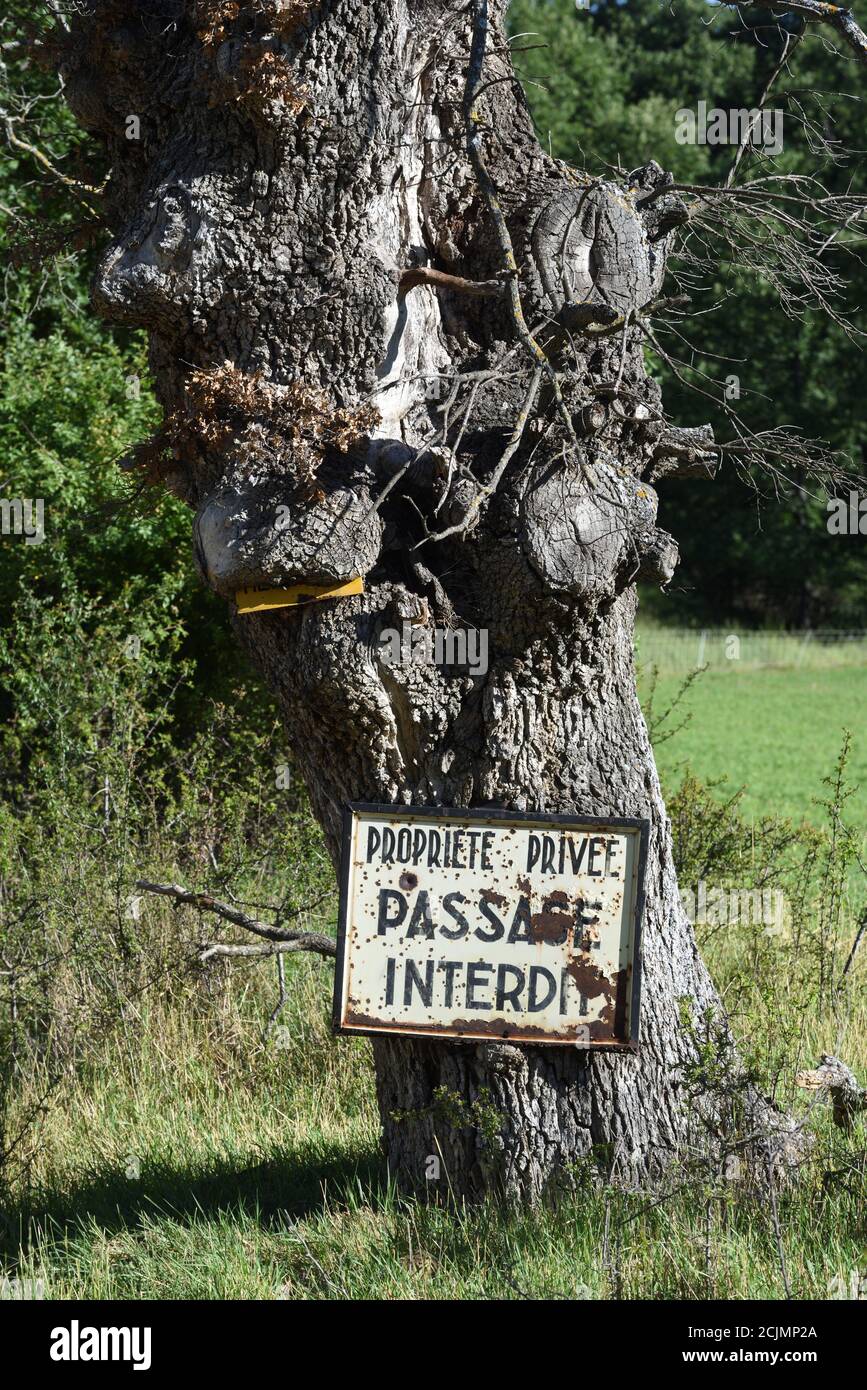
180,1154
676,651
197,1162
776,732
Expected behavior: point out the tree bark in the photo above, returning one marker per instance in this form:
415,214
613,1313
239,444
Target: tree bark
326,414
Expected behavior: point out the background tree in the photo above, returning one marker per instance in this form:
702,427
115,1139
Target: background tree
318,212
607,81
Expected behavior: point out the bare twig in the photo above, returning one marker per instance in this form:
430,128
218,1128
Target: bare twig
491,485
491,197
305,941
862,928
438,279
792,43
838,17
74,185
284,938
775,1217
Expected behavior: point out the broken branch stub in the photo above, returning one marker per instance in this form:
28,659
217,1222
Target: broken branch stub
848,1099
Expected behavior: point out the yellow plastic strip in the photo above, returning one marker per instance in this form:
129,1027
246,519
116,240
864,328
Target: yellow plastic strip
261,599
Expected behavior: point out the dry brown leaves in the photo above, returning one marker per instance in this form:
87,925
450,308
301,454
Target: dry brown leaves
296,424
214,19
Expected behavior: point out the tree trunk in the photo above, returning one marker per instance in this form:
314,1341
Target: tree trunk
293,162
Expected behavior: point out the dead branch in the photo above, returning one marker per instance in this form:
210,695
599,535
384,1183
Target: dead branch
601,320
490,195
777,232
838,17
490,487
833,1076
438,279
282,938
82,191
685,453
790,42
782,455
859,935
306,941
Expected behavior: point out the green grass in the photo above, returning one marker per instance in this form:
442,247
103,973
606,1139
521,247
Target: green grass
185,1157
198,1162
676,651
777,733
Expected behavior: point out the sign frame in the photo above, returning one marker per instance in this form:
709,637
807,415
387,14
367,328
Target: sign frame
490,813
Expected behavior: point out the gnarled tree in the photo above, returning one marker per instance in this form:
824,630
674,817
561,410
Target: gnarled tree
395,339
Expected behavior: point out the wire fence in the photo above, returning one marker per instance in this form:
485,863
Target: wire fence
677,651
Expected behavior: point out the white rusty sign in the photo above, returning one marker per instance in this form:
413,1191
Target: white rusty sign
490,925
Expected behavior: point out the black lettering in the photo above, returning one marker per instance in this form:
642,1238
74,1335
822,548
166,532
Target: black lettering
511,994
553,922
522,919
548,848
451,968
404,845
498,927
389,980
387,846
433,849
591,858
455,933
583,923
533,850
576,853
534,1004
417,846
457,849
473,981
387,896
424,986
373,838
420,923
610,849
473,837
487,841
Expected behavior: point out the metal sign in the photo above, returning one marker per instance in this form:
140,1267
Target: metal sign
490,925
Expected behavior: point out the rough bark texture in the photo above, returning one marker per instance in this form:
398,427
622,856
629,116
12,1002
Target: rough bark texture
294,161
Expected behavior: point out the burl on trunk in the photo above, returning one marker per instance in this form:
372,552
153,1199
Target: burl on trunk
394,339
